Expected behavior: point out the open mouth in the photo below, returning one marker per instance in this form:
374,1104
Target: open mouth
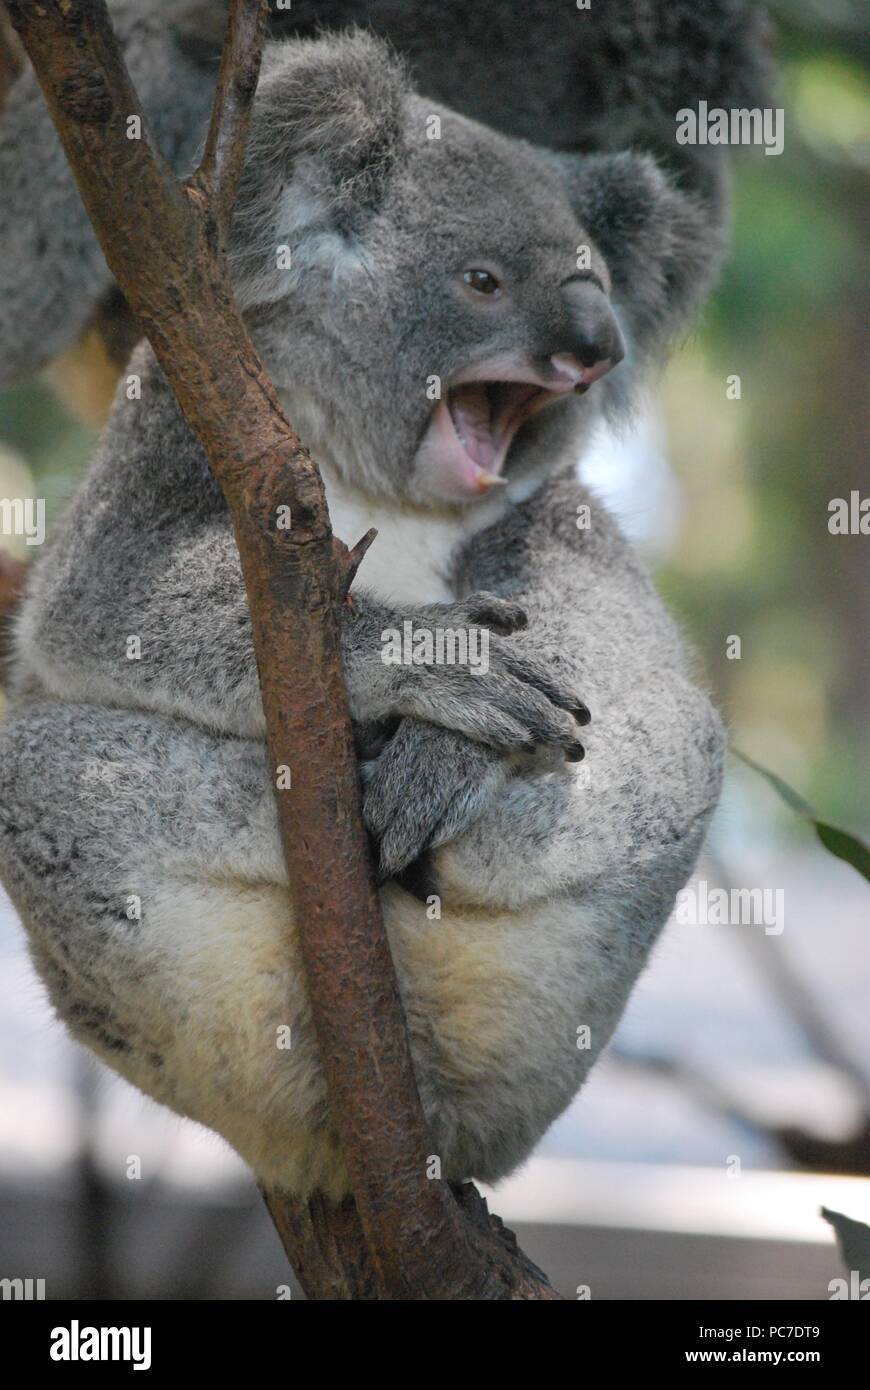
486,415
474,425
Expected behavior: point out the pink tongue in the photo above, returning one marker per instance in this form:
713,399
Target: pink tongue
473,423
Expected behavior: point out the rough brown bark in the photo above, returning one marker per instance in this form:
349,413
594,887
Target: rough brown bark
403,1236
327,1248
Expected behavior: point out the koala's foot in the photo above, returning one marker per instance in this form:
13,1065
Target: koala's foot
427,786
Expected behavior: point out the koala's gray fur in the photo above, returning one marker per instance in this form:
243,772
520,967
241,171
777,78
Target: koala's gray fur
146,781
52,271
605,79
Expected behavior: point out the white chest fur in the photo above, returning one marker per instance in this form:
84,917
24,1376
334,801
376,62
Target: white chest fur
411,559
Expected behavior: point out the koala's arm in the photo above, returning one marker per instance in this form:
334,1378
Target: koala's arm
52,271
560,555
506,832
138,601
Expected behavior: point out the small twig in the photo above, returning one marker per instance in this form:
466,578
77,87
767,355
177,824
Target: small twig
223,158
351,560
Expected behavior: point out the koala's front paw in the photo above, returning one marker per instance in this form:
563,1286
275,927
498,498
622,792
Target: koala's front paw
426,787
495,693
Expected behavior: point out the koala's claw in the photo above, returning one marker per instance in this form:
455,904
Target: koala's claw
498,710
516,704
491,691
534,672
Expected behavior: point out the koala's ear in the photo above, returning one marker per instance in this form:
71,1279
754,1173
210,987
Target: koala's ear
662,245
325,136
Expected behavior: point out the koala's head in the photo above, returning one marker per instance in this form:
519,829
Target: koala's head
438,304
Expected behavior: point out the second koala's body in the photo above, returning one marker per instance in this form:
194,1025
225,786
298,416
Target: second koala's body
611,76
138,835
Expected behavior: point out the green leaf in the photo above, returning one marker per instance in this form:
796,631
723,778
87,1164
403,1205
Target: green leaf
845,846
854,1241
839,842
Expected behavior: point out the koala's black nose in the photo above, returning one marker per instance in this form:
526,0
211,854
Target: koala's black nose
593,334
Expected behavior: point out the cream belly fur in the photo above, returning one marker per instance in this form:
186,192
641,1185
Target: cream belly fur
493,1003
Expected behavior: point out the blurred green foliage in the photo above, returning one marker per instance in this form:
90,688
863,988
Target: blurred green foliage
791,317
35,425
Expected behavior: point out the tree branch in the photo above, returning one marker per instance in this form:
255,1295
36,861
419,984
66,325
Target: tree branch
224,155
163,242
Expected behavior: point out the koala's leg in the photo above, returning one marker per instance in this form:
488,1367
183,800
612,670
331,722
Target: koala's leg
542,913
144,860
540,904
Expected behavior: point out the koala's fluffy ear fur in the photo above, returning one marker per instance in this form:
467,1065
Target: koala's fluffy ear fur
325,137
662,245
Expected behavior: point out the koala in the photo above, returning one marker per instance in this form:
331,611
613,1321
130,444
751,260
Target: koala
444,358
603,79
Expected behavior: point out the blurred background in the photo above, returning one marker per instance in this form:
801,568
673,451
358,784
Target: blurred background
735,1099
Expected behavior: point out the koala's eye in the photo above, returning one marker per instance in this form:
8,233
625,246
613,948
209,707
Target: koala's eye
481,282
